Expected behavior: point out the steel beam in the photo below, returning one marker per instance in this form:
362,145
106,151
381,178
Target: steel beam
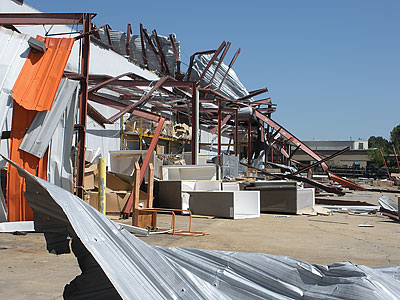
387,169
213,58
236,133
141,101
44,18
195,123
228,45
178,61
189,70
144,56
253,94
397,159
287,135
172,82
262,101
249,142
128,38
83,99
160,51
223,123
129,204
229,68
322,161
149,41
219,133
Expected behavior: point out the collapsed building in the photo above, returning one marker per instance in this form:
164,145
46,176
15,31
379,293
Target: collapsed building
73,94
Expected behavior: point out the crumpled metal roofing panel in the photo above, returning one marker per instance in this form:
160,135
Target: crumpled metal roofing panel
13,53
43,126
139,271
40,77
118,41
232,87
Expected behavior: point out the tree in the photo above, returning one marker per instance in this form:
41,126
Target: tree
375,144
395,137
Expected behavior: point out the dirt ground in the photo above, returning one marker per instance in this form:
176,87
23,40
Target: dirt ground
28,271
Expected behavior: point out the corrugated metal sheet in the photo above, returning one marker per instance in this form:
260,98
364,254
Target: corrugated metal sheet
3,208
232,86
13,53
60,162
40,77
118,41
110,258
41,131
17,208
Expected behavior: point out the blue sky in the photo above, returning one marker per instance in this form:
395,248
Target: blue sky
332,67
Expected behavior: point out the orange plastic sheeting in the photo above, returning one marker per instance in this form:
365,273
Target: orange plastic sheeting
17,207
37,84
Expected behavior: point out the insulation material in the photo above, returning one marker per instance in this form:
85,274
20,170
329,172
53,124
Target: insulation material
41,131
17,208
232,87
38,82
13,53
182,132
116,264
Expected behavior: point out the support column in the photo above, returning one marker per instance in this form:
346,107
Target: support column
219,132
101,198
195,124
249,142
236,133
83,96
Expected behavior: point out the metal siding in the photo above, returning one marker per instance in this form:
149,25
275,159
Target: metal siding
14,50
60,164
40,77
17,208
41,131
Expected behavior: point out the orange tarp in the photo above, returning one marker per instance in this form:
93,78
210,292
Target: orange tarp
34,90
38,81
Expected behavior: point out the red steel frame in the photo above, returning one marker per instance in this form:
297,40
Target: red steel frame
129,204
397,159
387,169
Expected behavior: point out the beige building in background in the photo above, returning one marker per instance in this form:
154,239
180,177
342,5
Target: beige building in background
356,156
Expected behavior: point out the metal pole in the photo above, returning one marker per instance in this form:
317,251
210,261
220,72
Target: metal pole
83,97
249,142
395,155
195,124
236,133
387,169
219,132
102,186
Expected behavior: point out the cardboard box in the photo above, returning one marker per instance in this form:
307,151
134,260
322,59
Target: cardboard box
382,183
90,177
115,200
113,183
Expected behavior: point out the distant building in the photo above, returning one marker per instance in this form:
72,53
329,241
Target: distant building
357,155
